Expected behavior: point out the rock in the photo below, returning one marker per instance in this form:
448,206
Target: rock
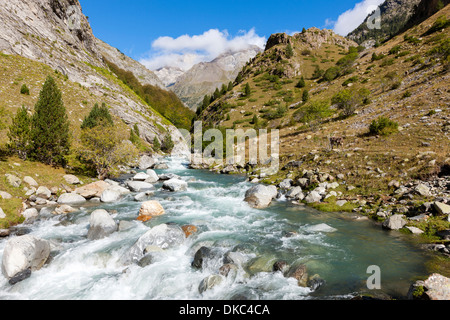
64,209
71,199
24,253
341,203
200,256
150,209
92,190
2,214
71,179
394,183
43,192
260,196
313,197
168,176
30,213
395,222
442,208
139,186
175,185
261,264
125,225
286,184
4,233
315,282
162,236
227,268
436,287
209,282
13,180
189,230
146,162
401,191
30,181
141,176
281,266
333,185
109,196
101,225
444,234
5,195
152,177
161,166
143,196
300,273
422,190
295,193
236,258
414,230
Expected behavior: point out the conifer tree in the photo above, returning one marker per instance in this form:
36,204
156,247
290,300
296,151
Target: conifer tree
50,133
301,83
97,116
305,95
230,86
19,133
247,90
156,144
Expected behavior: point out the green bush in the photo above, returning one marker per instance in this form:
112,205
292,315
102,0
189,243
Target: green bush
301,83
441,23
24,90
331,74
396,49
383,126
97,116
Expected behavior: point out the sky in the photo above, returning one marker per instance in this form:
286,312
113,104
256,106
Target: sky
181,33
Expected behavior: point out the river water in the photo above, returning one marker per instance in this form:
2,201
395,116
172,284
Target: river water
333,245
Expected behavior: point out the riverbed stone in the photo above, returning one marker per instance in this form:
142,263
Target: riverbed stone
313,197
395,222
71,199
415,230
101,225
201,254
24,253
175,185
63,209
141,176
209,282
299,273
150,209
109,196
140,186
442,208
422,190
295,193
2,214
436,287
189,230
30,181
163,236
152,176
92,190
13,180
146,162
30,213
143,196
260,196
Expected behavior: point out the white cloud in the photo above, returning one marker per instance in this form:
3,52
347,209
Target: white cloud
185,51
351,19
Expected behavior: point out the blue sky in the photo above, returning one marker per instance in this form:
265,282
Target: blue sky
135,26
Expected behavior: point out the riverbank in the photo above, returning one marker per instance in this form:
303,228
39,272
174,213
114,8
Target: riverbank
120,209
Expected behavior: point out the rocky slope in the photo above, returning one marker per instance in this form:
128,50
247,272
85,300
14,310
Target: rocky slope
205,77
169,75
394,16
56,34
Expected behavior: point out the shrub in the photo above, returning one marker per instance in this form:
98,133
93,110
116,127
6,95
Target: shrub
349,100
24,90
376,57
19,133
441,23
387,62
313,113
289,51
331,74
167,144
301,83
383,126
396,49
156,144
305,95
98,116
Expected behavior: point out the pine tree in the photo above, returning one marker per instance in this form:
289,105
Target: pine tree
50,133
303,30
301,83
230,86
167,144
305,95
156,144
289,51
97,116
19,133
247,90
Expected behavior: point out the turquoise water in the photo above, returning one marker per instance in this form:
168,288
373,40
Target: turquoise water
333,245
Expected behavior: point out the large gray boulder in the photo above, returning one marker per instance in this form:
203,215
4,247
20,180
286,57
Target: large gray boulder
260,196
43,192
140,186
436,287
71,179
295,193
175,185
13,180
30,181
162,236
146,162
152,176
71,199
442,208
395,222
2,214
110,195
101,225
5,195
30,213
22,255
313,197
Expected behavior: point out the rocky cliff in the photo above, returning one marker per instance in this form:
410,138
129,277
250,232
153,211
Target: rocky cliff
56,34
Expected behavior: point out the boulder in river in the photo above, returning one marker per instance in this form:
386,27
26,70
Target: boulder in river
313,197
300,273
150,209
92,190
175,185
71,198
22,255
140,186
209,283
260,196
163,236
436,287
146,162
395,222
189,230
43,192
30,213
101,225
201,254
152,176
110,195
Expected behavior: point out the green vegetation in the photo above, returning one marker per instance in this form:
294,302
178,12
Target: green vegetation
165,102
383,126
167,144
24,90
19,134
301,83
349,100
156,144
96,116
289,51
313,113
441,23
343,66
50,136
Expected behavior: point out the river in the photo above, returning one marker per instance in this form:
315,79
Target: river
333,245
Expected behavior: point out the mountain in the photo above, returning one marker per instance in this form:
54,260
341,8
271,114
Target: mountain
48,37
386,107
394,16
203,78
169,75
